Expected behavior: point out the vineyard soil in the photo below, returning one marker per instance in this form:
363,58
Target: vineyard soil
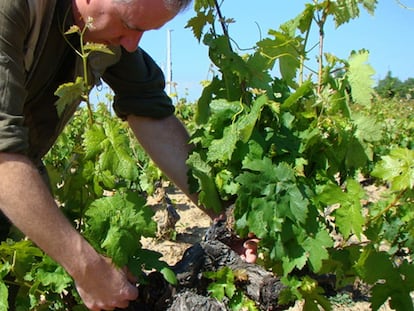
191,228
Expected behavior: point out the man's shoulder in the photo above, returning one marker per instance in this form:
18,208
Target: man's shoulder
38,8
40,15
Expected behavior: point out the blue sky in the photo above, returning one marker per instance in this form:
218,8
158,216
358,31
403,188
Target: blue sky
388,35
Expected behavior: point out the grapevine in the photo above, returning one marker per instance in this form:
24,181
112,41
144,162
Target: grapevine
291,151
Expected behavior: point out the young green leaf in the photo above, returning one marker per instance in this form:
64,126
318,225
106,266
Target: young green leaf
69,93
72,30
286,49
51,275
316,247
169,276
5,268
360,78
4,295
116,224
97,47
223,283
397,168
348,215
208,196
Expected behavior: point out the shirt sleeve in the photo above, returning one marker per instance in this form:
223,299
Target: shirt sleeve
138,84
14,26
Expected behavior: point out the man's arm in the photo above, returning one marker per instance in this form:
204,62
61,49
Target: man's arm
167,143
26,200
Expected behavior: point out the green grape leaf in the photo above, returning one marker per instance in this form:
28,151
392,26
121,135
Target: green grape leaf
223,285
373,266
298,207
360,78
348,216
22,253
397,168
260,225
97,47
331,194
146,259
116,224
206,100
222,149
108,179
395,287
259,76
345,10
400,299
302,21
369,5
93,138
72,30
5,268
118,157
69,93
217,291
4,295
169,276
208,196
380,294
313,296
316,248
285,49
356,155
112,149
246,123
225,184
116,242
290,262
300,92
269,186
223,112
198,22
53,276
406,269
396,281
368,128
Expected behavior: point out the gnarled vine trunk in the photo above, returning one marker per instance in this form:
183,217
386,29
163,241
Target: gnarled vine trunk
191,292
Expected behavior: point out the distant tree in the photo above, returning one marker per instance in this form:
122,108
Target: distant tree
393,87
389,87
409,88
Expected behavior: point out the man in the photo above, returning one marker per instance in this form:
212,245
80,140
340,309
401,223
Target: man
34,60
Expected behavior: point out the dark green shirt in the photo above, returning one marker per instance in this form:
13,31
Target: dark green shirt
29,123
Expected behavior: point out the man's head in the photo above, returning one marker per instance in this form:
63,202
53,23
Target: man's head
123,22
172,5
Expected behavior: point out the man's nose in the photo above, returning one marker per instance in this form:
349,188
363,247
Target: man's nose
130,42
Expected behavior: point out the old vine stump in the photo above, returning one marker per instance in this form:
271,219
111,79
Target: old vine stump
191,293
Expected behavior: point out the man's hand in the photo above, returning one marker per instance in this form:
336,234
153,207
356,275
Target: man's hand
221,230
247,249
99,283
249,253
105,287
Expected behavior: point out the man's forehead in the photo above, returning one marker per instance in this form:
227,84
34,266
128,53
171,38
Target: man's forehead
145,15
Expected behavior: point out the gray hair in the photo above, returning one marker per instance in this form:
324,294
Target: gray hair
172,5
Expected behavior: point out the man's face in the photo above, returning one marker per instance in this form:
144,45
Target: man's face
120,23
